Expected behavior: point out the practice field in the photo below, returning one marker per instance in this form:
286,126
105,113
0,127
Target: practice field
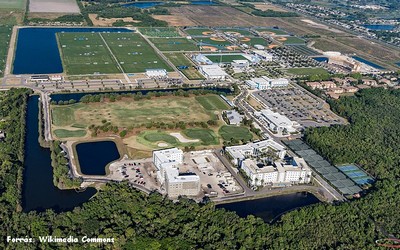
306,71
181,62
199,31
174,44
272,32
159,32
5,34
212,102
12,4
243,32
292,40
127,112
85,53
133,53
206,136
213,41
253,41
235,132
225,58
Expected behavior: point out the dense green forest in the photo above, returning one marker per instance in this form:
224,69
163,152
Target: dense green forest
138,221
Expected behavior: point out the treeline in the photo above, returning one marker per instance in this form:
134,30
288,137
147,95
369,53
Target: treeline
61,172
273,13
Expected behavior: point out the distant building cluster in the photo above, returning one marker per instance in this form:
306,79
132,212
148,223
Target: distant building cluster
263,83
167,162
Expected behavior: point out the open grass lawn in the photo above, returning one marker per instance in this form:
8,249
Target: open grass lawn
211,42
85,53
5,35
275,31
174,44
197,31
235,132
128,112
293,40
244,32
179,59
306,71
212,102
160,136
159,32
255,40
225,58
64,133
207,136
133,53
12,4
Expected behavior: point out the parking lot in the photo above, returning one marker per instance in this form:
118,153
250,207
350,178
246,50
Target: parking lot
215,179
298,105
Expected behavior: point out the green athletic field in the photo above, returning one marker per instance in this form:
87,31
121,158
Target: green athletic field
244,32
235,132
277,32
197,31
12,4
179,59
212,102
64,133
159,32
174,44
226,58
210,41
5,35
255,40
293,40
206,136
306,71
88,53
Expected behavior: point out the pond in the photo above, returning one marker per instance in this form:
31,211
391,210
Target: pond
379,26
376,66
93,157
203,3
271,208
320,58
143,5
38,190
37,49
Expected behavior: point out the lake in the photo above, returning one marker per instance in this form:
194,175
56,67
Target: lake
38,190
270,207
320,58
143,5
37,50
376,66
93,157
379,27
203,3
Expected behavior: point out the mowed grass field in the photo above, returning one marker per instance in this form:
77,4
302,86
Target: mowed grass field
5,35
179,59
12,4
306,71
235,132
244,32
225,58
159,32
293,40
128,112
174,44
255,40
87,53
209,40
64,133
277,32
197,31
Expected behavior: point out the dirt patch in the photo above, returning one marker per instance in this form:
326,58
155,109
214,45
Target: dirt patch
207,33
107,22
245,39
281,39
265,7
272,46
217,39
175,20
162,144
232,47
210,48
320,26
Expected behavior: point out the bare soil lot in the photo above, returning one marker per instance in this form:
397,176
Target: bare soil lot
266,6
173,20
54,6
107,22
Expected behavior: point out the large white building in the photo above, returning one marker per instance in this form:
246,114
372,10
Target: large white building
263,83
295,172
213,72
277,122
167,162
156,73
263,55
254,149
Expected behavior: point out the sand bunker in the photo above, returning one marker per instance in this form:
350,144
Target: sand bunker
162,144
218,39
183,139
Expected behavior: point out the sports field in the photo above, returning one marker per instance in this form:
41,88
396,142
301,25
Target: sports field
174,44
12,4
159,32
306,71
212,102
199,31
271,31
127,112
235,132
213,41
292,40
181,62
89,53
225,58
244,32
253,41
5,34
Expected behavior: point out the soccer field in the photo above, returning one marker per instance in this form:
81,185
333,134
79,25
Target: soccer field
244,32
159,32
174,44
179,60
199,31
88,53
225,58
5,34
254,40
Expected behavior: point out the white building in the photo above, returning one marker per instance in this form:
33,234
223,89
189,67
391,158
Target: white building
277,122
167,162
240,64
156,73
213,72
263,83
263,55
254,149
260,175
234,117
